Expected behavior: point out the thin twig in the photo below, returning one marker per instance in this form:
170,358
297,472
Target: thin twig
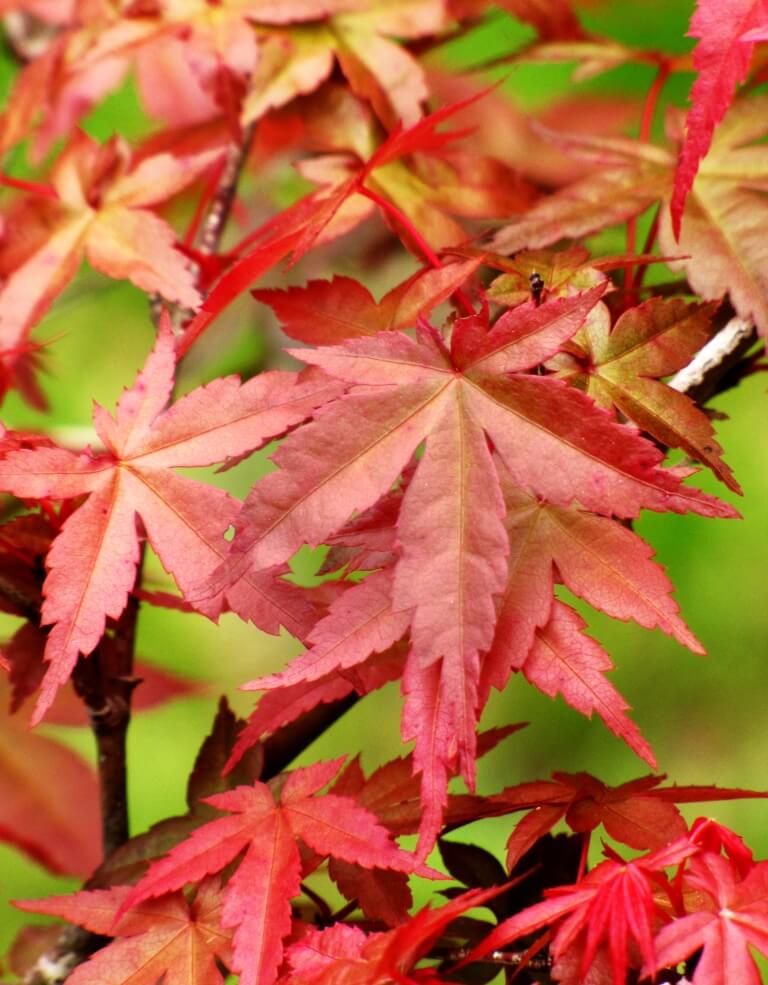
224,198
215,222
504,959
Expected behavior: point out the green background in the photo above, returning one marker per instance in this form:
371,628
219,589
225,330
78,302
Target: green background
705,717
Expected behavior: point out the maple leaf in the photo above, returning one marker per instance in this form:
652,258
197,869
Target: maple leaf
92,563
721,236
732,919
597,559
630,177
721,242
563,272
41,781
341,955
257,898
100,209
224,55
613,907
328,312
377,69
451,571
392,791
725,29
639,813
392,794
564,660
169,938
622,366
415,177
352,186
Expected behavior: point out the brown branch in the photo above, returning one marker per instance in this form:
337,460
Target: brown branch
105,682
72,948
224,198
502,959
291,740
215,221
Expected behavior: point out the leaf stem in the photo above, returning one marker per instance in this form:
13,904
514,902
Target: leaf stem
646,124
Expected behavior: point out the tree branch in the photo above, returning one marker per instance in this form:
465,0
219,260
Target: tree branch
291,740
502,959
215,222
105,682
224,198
701,377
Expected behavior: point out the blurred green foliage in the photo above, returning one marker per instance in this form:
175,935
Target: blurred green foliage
704,716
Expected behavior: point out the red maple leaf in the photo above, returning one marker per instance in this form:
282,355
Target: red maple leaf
345,954
417,206
296,61
169,938
731,919
327,312
612,909
622,367
258,895
452,565
727,31
392,794
92,563
640,813
99,207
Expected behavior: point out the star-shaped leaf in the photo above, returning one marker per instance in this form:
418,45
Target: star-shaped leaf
452,570
622,367
257,897
732,921
721,236
92,562
725,30
101,209
168,938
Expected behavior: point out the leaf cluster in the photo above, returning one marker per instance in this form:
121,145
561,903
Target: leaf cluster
467,449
